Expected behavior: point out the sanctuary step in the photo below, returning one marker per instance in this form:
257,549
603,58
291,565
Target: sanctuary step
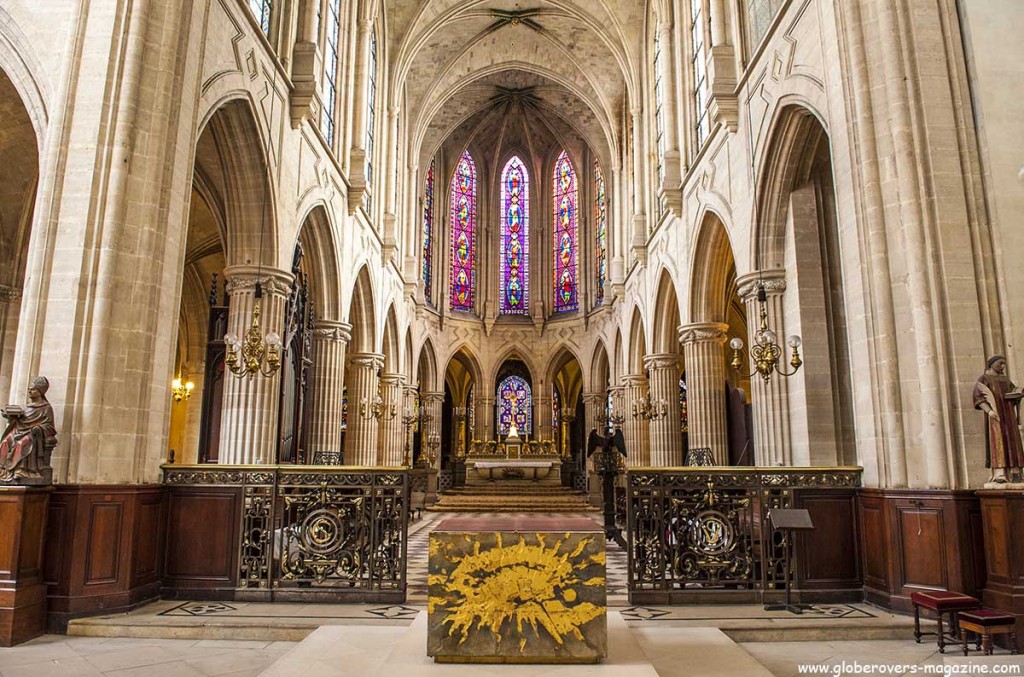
512,496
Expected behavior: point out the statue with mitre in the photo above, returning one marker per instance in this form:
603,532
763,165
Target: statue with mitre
997,396
28,439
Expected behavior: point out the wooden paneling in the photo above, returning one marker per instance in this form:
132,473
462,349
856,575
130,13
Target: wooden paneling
1002,514
919,540
828,557
102,549
23,512
202,539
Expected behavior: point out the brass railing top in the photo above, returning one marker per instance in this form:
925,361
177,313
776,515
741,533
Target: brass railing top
746,469
287,467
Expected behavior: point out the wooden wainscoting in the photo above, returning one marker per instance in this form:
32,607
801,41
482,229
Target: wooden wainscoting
22,593
1003,518
827,559
919,540
203,535
104,549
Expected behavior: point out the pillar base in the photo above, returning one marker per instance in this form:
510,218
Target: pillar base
23,512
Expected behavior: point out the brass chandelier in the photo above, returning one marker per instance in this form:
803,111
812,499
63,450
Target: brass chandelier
377,409
649,409
766,352
256,353
181,389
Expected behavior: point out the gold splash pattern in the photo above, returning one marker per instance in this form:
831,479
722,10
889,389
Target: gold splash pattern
528,585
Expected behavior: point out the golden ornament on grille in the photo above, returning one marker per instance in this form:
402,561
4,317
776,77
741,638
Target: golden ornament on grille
525,585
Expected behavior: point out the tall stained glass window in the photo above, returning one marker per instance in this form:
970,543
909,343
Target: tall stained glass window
601,219
371,96
566,239
515,239
428,235
332,33
700,71
261,10
659,111
515,402
462,225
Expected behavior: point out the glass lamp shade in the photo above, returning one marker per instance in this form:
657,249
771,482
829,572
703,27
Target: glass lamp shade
736,343
794,341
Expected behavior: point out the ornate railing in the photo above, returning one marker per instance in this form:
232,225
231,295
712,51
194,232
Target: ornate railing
697,530
315,531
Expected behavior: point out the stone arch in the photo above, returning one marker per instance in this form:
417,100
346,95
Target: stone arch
390,346
361,314
320,257
713,261
407,357
231,156
426,371
617,358
665,332
561,356
514,353
467,356
637,344
600,368
20,65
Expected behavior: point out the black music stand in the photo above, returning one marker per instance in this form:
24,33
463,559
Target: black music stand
789,521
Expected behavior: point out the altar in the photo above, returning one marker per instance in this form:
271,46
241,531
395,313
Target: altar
514,469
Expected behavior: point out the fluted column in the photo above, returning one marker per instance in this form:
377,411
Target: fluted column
593,404
249,411
10,307
542,419
484,419
666,434
330,338
432,402
705,386
618,394
390,443
772,443
357,159
361,434
636,431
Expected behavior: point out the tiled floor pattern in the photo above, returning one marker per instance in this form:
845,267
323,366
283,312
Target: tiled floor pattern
419,542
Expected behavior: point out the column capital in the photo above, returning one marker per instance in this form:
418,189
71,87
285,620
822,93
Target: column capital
661,361
634,380
373,361
594,398
9,293
700,332
392,379
774,282
332,330
613,390
432,397
244,278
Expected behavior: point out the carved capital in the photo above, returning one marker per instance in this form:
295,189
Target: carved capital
634,381
432,398
703,332
774,282
373,361
594,399
8,294
330,330
662,361
392,380
242,279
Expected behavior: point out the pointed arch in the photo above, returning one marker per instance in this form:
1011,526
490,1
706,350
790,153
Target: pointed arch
390,344
637,343
600,369
361,314
514,239
565,192
320,258
666,316
462,200
426,370
713,262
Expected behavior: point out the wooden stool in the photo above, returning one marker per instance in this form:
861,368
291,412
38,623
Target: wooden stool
941,602
985,623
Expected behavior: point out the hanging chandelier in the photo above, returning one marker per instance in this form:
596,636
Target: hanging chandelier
181,389
648,409
255,353
376,409
609,417
766,351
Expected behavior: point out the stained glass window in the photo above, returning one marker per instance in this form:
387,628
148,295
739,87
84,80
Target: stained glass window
684,424
760,14
515,401
261,10
515,239
566,239
371,96
556,408
700,75
428,235
344,408
659,112
601,218
463,228
332,33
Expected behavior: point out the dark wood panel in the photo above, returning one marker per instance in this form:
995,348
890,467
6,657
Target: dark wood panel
23,513
828,557
103,554
202,537
1003,523
57,541
10,514
922,554
147,554
874,540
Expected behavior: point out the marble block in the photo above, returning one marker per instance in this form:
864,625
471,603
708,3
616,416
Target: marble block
517,590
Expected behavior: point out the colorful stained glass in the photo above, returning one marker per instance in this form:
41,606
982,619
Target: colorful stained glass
262,9
566,236
428,235
683,422
344,408
515,401
601,218
515,239
463,228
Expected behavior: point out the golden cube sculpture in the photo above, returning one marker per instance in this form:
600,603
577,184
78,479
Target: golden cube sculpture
517,590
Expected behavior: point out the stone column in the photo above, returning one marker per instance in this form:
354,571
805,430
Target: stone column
618,394
635,430
432,402
249,413
361,434
593,404
327,385
10,307
772,443
666,433
704,355
357,156
542,419
668,191
484,419
409,405
391,441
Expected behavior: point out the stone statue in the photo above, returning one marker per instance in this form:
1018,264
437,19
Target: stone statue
997,396
29,439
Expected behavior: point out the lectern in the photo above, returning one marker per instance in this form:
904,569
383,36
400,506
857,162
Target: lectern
789,521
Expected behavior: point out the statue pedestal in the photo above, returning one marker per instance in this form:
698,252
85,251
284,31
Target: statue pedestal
23,513
517,590
1002,515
